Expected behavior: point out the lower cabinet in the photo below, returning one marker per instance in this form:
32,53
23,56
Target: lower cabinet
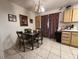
70,38
74,40
66,37
66,41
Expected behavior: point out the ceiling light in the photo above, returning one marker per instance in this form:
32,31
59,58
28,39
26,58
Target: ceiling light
39,8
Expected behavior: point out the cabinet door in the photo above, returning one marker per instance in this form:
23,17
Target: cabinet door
66,36
75,15
68,15
74,40
38,21
66,40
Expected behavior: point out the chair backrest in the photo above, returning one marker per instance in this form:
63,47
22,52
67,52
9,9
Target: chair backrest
41,35
27,30
19,33
38,29
22,36
34,31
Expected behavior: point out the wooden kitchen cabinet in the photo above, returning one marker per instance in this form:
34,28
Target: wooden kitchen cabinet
38,21
75,15
70,38
68,15
71,14
74,40
66,36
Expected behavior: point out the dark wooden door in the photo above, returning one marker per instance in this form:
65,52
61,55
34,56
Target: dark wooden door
53,24
44,26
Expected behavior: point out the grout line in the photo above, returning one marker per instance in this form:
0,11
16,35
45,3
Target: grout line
39,55
60,51
52,52
49,54
72,53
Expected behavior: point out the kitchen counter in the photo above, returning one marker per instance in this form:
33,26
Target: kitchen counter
70,30
70,37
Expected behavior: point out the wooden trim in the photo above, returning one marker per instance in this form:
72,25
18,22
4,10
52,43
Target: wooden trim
66,44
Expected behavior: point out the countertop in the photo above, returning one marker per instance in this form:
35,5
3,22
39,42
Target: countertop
70,30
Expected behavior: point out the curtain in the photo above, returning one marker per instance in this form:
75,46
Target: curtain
44,25
49,24
53,24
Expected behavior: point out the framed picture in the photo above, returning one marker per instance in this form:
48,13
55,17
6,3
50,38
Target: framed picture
12,18
23,20
31,20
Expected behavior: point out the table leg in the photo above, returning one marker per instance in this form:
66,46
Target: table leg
24,47
32,46
32,43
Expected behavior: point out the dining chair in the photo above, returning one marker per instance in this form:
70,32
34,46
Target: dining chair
34,31
40,37
23,39
27,30
37,40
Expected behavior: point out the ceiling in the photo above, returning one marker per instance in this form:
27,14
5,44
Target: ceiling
47,4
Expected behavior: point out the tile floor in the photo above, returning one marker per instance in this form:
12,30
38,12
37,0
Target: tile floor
48,50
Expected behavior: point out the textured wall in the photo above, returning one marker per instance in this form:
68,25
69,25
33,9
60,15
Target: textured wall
8,29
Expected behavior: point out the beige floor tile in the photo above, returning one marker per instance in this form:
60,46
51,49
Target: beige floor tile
74,50
66,57
76,57
10,52
17,56
37,50
43,53
38,57
66,54
53,56
55,51
65,49
56,46
47,47
31,56
28,55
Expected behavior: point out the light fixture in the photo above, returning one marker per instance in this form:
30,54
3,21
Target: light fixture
39,8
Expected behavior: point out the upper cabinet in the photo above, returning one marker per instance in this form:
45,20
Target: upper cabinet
71,14
68,15
75,15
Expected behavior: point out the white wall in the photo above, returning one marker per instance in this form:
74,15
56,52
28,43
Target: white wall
1,50
8,29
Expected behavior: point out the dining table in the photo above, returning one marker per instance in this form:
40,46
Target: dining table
32,36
